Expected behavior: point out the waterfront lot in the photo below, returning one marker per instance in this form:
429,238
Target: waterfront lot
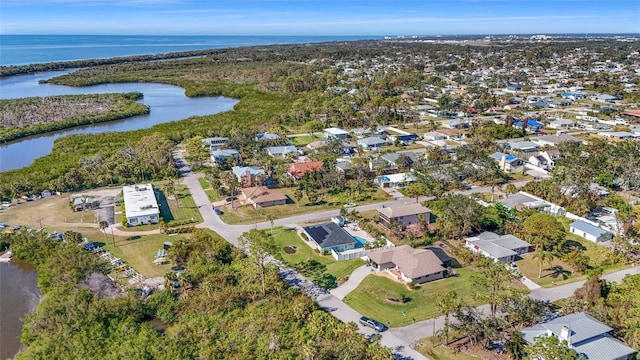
138,252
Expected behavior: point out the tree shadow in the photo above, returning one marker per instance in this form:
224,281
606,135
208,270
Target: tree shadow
134,237
559,272
165,210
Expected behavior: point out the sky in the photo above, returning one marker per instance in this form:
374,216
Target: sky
318,17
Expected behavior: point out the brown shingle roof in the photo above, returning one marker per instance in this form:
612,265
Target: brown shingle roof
413,263
404,210
262,194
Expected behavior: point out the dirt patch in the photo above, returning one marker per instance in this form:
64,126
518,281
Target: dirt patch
101,286
478,350
290,249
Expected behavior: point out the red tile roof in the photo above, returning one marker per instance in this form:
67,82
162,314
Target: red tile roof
298,170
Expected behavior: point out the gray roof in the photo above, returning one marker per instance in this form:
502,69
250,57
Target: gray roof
588,228
224,154
329,235
393,157
588,336
241,171
286,149
373,140
496,245
514,200
522,145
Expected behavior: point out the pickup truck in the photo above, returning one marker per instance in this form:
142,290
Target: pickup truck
376,325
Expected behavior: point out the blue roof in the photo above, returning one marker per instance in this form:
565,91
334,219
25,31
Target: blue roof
530,122
588,228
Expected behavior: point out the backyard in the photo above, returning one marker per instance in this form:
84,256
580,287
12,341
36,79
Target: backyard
287,237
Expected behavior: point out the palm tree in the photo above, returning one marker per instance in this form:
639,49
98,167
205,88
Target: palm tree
103,225
543,256
271,218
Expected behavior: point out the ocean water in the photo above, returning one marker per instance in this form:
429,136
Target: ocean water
31,49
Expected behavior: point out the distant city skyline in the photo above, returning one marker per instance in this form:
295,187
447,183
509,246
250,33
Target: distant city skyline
315,17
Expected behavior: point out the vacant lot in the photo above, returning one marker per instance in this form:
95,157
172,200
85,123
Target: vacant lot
51,213
288,237
139,251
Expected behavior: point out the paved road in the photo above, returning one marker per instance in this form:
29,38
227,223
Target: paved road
325,299
398,339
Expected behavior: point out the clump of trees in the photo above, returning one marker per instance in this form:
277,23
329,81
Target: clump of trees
227,305
37,115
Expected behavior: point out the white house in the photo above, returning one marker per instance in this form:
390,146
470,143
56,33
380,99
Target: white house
140,205
505,248
590,232
336,133
395,180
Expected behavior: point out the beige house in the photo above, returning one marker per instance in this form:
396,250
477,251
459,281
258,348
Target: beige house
407,214
408,264
262,197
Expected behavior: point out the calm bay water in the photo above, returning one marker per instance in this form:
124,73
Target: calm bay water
168,103
19,295
31,49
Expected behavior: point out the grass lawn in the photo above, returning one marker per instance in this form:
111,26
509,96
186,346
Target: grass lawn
303,140
50,212
249,215
370,297
139,251
551,277
288,237
211,192
433,352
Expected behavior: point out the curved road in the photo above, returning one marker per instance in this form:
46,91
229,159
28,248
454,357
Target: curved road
398,339
326,300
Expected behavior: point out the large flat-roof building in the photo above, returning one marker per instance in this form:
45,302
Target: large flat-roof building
140,205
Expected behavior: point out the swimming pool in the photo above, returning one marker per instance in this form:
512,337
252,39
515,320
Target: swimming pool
362,241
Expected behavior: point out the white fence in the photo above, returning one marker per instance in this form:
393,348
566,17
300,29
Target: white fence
358,253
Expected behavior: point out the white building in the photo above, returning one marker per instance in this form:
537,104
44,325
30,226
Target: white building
140,205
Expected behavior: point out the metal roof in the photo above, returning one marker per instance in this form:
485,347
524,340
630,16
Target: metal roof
588,228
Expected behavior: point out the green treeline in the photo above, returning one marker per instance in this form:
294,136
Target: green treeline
70,165
37,115
225,306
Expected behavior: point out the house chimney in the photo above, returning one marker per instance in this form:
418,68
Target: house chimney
249,180
565,334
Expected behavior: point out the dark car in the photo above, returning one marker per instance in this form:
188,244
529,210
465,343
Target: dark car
376,325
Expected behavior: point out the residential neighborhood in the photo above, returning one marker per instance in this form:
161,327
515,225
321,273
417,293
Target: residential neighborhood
481,196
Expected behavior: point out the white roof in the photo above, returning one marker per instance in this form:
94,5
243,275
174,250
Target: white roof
336,131
140,200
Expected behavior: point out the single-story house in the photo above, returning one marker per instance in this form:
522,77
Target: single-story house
315,145
335,133
522,200
140,205
452,134
267,136
532,125
408,264
246,174
434,136
542,161
556,140
561,123
507,162
584,334
262,197
590,232
330,236
400,159
297,170
371,142
395,180
505,248
223,156
522,146
456,123
406,214
282,151
618,135
83,203
214,143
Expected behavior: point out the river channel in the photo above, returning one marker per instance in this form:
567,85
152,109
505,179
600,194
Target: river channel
19,295
167,102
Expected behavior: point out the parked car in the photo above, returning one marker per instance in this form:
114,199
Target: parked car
376,325
231,198
350,205
217,211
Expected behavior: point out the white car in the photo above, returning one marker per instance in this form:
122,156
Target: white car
350,205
